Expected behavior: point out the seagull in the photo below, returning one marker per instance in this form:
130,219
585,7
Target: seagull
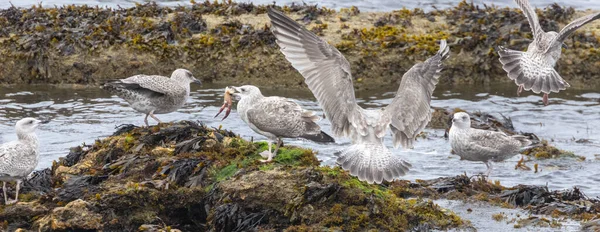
19,158
154,94
276,118
327,74
534,69
483,145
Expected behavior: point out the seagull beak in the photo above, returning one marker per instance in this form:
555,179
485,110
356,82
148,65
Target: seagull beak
43,121
234,89
564,45
197,81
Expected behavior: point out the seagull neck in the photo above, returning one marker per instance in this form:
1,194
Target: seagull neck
253,97
28,137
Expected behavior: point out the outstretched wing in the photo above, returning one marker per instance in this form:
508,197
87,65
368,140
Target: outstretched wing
410,110
531,16
326,70
573,26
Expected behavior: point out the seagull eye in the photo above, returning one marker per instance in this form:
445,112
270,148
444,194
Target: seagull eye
243,90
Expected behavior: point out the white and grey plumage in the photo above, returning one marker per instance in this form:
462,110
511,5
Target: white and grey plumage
327,74
482,145
154,94
19,158
276,118
534,69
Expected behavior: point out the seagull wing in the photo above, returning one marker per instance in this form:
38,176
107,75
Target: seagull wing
410,111
282,117
326,72
531,16
7,152
492,142
573,26
160,85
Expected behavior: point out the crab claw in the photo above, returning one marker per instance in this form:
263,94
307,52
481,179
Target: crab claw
225,105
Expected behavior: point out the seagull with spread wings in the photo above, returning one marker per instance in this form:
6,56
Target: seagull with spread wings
534,69
327,74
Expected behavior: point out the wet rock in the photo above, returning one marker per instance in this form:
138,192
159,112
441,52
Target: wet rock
546,151
157,228
229,217
39,182
181,170
124,128
591,226
21,214
537,222
116,185
79,186
76,215
75,154
87,45
525,195
316,192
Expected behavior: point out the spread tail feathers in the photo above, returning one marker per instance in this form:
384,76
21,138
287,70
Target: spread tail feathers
528,73
372,163
319,138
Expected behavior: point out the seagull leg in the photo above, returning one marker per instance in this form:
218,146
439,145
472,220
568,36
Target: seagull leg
17,195
489,168
266,153
4,189
146,120
154,117
279,142
519,90
545,99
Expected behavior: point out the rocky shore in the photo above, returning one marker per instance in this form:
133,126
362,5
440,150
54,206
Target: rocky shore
185,176
227,42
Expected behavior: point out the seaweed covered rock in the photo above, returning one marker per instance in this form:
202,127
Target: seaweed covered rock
185,176
230,42
571,203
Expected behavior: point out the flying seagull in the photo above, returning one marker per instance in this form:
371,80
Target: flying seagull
275,118
154,94
327,74
19,158
483,145
534,69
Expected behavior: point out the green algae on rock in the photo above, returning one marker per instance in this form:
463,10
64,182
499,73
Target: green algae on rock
229,42
189,177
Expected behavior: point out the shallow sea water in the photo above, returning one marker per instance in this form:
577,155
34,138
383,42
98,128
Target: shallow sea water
82,114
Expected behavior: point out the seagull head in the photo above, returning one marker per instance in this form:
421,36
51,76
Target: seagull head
245,91
28,125
185,76
461,120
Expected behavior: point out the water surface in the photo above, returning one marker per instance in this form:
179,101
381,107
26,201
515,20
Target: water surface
82,114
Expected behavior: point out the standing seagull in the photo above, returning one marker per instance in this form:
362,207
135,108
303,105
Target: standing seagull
154,94
19,158
275,118
327,74
482,145
534,69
